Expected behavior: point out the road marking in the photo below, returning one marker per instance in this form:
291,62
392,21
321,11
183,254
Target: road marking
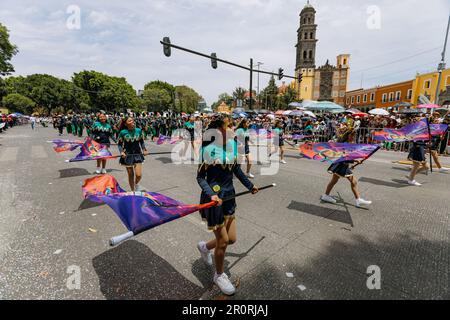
9,154
38,152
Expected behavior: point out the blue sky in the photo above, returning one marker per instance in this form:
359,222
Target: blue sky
121,38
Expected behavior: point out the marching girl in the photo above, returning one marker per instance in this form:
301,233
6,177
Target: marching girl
132,148
243,139
343,170
101,132
189,126
417,156
435,144
215,177
279,131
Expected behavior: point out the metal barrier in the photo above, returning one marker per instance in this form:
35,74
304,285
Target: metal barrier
365,135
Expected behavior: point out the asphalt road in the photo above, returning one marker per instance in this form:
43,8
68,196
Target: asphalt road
290,245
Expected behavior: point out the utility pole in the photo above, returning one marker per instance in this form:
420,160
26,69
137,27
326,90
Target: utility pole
258,64
441,66
251,84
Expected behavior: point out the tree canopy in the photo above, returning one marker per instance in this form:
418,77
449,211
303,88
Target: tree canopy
7,51
18,103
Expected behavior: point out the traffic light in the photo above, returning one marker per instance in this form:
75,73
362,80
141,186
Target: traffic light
280,74
214,60
166,46
300,76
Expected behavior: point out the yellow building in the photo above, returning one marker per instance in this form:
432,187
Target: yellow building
426,84
4,111
223,108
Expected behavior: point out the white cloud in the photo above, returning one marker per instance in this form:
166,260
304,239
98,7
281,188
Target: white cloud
122,38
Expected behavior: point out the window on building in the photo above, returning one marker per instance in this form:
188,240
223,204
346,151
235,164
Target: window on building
353,99
342,94
348,100
345,61
334,94
305,36
391,96
310,54
343,81
427,84
344,74
358,99
311,35
398,95
409,95
305,54
372,97
365,98
336,83
384,98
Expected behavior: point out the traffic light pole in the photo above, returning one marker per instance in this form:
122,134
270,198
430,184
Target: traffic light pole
250,103
167,45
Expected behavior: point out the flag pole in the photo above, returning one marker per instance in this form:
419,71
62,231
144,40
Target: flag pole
114,241
429,144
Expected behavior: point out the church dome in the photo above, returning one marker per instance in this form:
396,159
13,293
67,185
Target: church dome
308,7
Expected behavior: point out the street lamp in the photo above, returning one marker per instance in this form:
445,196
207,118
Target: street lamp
441,66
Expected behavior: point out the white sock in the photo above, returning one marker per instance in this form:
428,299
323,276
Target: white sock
203,247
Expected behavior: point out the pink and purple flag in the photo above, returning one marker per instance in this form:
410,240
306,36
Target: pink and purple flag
91,150
66,145
166,139
413,132
334,152
138,211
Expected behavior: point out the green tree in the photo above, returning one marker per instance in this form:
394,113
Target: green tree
239,94
3,88
186,99
18,103
223,97
286,98
7,51
106,92
47,91
156,99
269,94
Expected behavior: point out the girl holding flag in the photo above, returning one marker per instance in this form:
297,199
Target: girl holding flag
215,177
343,170
243,139
101,132
132,148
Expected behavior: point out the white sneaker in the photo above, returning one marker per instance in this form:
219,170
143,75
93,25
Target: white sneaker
414,183
98,171
224,284
206,254
444,169
103,171
250,175
327,198
361,202
283,161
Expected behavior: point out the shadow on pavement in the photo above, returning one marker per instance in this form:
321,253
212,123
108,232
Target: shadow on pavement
87,204
164,160
323,212
132,271
383,183
73,172
411,268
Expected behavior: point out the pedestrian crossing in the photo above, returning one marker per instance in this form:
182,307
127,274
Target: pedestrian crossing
10,154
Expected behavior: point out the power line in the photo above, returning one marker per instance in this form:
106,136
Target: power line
396,61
